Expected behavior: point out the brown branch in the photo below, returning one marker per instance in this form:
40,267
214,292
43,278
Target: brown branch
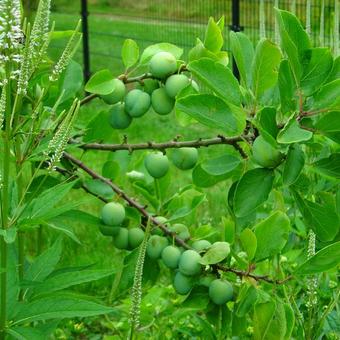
168,145
142,209
88,99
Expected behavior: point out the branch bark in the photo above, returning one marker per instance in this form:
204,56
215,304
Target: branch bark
173,144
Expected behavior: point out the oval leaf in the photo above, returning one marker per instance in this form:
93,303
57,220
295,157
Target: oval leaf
216,253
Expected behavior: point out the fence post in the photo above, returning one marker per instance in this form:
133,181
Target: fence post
235,26
86,48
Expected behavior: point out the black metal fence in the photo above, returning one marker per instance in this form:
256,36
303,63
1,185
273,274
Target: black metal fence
171,21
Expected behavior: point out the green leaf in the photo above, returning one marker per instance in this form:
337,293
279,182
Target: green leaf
213,40
294,164
328,97
268,125
243,53
335,74
269,321
184,203
247,301
26,333
272,235
292,133
323,219
290,321
69,279
287,88
216,253
263,316
249,242
218,78
329,124
329,166
72,81
99,188
44,264
316,72
130,53
213,112
294,40
102,83
203,179
252,190
325,259
221,165
44,205
111,169
150,51
9,234
265,66
58,307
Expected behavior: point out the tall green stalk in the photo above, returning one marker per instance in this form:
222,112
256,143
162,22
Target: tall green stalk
5,212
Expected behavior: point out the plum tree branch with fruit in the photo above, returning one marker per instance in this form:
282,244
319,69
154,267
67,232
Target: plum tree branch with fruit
229,217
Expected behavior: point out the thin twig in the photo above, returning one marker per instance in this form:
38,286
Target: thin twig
173,144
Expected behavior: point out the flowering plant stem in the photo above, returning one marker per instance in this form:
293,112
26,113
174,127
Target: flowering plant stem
5,210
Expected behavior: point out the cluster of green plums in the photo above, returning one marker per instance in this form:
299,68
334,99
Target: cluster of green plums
157,163
113,224
187,263
158,92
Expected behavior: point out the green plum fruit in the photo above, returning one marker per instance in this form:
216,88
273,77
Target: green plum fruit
201,245
161,102
162,64
184,158
264,154
121,240
137,103
156,164
170,256
175,84
156,230
189,263
113,214
117,94
108,230
149,85
155,246
118,117
220,291
181,230
136,237
182,284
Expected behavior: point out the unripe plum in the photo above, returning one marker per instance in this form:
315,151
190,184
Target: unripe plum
118,118
201,245
161,102
220,291
162,64
175,84
117,94
170,256
184,158
182,284
113,214
156,164
155,246
121,240
137,103
136,237
156,230
189,263
181,230
264,154
149,85
108,230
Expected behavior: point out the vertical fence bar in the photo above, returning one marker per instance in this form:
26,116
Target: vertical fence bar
86,47
235,26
